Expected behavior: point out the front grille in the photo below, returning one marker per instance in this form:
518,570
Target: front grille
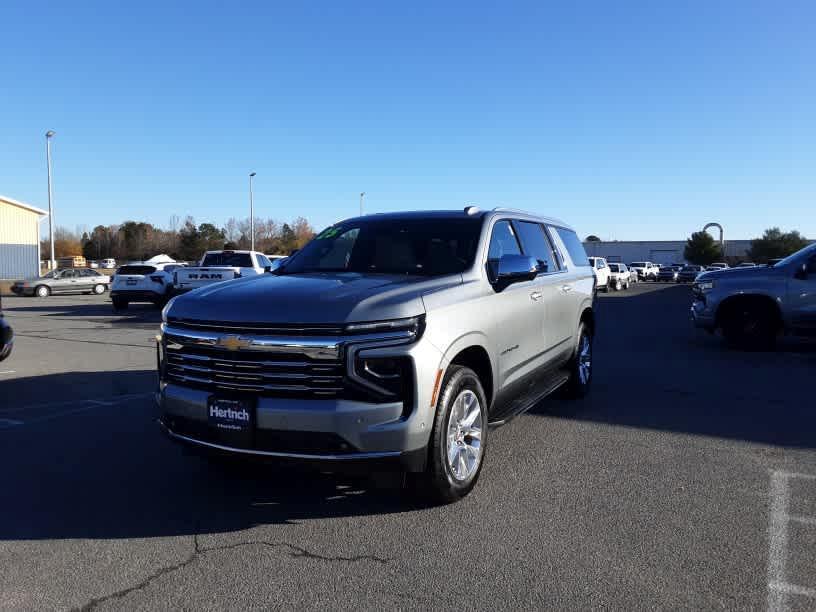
278,329
264,373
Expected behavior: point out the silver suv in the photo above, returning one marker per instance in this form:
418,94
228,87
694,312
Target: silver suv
394,338
753,305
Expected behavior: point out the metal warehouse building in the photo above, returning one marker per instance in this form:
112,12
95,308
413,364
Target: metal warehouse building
19,239
658,251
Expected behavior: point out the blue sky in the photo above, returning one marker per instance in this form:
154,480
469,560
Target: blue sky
630,120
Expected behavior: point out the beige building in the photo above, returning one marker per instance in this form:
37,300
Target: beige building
19,239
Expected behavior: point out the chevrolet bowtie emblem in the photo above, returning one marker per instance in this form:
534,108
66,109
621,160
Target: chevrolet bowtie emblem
233,343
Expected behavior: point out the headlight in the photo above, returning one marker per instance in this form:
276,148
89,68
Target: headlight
412,324
705,285
166,309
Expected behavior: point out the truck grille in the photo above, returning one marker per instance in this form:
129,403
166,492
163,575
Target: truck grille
265,373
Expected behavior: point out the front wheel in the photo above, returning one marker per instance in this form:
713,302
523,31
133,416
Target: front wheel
618,285
457,445
42,291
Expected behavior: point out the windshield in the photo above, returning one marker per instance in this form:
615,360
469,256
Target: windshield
638,264
391,246
227,258
791,258
691,268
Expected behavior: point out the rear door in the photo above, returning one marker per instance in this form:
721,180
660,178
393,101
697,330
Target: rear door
554,304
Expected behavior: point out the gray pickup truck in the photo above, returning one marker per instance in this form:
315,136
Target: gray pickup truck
754,305
389,338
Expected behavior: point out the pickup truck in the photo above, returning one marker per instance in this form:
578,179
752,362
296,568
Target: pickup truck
394,339
601,271
754,306
645,270
219,266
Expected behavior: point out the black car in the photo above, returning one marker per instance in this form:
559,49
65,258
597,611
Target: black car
6,335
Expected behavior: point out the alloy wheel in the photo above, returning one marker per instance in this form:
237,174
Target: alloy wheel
465,435
585,360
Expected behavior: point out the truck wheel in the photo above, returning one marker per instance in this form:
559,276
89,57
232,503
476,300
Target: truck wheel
618,285
42,291
580,368
119,303
750,325
457,445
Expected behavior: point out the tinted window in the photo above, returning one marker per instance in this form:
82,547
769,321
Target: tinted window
812,265
233,260
391,246
639,264
88,272
573,245
68,274
614,267
536,244
503,241
137,270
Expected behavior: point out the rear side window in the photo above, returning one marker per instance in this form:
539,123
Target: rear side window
137,270
574,247
536,244
235,260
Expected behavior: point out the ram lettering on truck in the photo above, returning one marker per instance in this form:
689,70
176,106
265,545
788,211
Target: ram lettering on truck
220,266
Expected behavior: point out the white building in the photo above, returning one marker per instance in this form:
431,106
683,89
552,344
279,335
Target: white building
19,239
658,251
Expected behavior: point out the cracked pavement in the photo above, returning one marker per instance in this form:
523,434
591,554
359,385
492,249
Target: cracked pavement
651,493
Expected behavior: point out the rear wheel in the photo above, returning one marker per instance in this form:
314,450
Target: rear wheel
457,446
119,303
580,368
42,291
618,285
99,289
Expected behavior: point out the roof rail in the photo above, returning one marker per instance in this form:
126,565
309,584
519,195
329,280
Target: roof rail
506,209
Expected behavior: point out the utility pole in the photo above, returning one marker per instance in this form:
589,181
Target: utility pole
362,195
52,264
251,215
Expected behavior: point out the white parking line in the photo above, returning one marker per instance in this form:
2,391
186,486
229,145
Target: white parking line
778,587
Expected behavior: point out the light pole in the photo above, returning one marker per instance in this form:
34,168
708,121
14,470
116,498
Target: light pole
48,136
362,195
251,215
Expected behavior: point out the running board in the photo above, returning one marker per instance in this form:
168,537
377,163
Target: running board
528,401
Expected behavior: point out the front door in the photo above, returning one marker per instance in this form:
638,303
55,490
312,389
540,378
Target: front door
802,298
519,330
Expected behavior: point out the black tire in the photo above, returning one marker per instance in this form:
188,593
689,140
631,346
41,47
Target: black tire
750,325
119,303
439,481
42,291
578,386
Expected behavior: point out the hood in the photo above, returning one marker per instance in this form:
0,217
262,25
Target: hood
740,273
309,298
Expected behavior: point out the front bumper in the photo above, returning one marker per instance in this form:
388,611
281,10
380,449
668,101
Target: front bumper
324,431
702,314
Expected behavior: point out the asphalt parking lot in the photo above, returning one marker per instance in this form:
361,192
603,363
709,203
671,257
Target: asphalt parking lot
687,480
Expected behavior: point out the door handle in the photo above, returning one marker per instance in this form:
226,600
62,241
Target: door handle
566,288
535,296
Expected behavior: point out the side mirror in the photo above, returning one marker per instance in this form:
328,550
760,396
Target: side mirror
515,269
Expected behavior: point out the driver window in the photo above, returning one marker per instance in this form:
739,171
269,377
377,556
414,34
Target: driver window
503,241
67,274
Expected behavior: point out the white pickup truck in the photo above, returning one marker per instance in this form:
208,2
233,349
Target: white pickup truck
219,266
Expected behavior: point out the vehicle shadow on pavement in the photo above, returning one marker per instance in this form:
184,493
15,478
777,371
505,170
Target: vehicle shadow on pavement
652,369
101,468
101,309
